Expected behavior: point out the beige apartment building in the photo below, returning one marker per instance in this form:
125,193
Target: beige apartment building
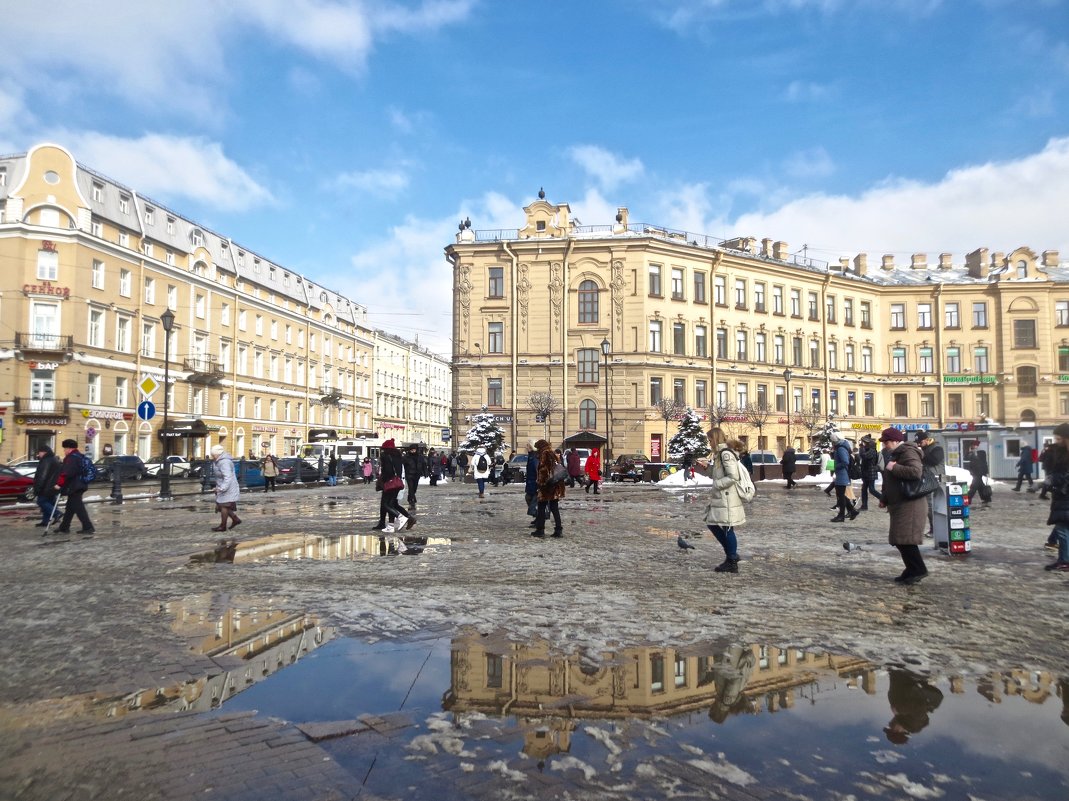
412,392
611,319
258,356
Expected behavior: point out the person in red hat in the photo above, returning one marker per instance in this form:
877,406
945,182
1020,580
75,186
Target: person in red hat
391,474
909,516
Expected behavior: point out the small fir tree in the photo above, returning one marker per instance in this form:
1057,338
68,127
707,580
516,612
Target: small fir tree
484,433
821,442
690,438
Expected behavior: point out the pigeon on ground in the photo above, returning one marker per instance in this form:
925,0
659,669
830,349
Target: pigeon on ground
682,543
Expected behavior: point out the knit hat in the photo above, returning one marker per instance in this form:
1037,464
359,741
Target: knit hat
218,450
531,446
891,435
389,444
1062,430
69,443
920,436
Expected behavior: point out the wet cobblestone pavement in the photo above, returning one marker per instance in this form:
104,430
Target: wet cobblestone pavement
124,650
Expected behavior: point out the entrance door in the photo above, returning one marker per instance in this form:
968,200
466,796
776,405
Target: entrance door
39,439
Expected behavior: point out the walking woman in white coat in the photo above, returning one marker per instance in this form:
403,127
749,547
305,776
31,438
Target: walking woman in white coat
726,509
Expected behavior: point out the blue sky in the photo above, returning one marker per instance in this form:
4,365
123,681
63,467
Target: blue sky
346,139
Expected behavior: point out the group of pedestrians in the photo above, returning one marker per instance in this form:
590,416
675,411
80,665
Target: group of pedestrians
67,478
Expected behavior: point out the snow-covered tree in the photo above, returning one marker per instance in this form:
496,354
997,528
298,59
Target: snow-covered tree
690,438
821,438
484,433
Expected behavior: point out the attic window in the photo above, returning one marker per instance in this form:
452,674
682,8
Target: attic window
1022,269
323,296
196,236
540,225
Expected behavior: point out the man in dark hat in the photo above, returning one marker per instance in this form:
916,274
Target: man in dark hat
44,483
72,485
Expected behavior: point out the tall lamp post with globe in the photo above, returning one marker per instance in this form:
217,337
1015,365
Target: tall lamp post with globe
167,321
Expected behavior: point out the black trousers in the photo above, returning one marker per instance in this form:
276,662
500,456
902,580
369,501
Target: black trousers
413,483
540,518
1022,475
75,506
868,486
912,559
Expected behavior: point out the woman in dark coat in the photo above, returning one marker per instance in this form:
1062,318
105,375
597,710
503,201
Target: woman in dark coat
392,466
549,494
909,517
789,462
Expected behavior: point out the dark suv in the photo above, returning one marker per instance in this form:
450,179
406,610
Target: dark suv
130,468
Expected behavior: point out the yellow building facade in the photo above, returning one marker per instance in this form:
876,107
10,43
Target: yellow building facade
257,358
613,319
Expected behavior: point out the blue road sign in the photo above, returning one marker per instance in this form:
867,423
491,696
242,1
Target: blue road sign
146,410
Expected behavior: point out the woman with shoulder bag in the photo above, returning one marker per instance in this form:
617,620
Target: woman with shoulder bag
391,474
726,509
909,516
550,492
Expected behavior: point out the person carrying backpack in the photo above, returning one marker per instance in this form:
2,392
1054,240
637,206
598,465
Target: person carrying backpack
44,483
480,468
73,481
726,508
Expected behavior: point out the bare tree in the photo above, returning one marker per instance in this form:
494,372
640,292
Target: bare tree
810,417
757,415
668,409
727,418
544,406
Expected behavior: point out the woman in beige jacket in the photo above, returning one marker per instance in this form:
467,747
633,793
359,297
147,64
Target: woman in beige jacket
725,509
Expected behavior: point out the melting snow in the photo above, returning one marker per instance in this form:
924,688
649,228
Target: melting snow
725,770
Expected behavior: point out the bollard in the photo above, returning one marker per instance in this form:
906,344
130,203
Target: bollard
116,484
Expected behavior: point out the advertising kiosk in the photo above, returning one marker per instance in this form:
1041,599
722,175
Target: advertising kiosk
951,528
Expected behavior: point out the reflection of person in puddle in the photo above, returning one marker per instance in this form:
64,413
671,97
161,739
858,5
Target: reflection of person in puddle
911,698
731,671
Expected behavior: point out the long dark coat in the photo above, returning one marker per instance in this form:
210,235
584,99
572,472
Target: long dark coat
909,518
547,460
1058,467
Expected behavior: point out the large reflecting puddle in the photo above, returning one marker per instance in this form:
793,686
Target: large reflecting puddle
313,546
456,717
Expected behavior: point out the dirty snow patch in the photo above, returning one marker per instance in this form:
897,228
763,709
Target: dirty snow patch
725,770
565,763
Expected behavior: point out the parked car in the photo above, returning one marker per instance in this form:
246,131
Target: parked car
205,473
28,468
628,467
518,467
130,468
766,465
180,466
292,469
14,486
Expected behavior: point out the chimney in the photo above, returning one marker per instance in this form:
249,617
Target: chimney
1050,258
888,262
779,251
945,262
918,261
844,265
766,248
621,220
974,262
861,263
997,260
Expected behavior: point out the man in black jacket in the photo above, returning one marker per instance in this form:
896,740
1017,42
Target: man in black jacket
1059,490
977,467
870,469
72,486
44,483
415,466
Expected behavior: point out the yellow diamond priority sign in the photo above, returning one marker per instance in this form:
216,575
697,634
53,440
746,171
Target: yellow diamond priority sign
148,385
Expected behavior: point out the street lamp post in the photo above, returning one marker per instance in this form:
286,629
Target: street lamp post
787,380
167,321
605,346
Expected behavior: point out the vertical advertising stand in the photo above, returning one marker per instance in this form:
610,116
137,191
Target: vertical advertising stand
951,528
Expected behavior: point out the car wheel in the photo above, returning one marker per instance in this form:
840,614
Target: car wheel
138,475
28,495
661,476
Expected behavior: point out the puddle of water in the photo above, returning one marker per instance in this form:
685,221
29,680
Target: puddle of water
311,546
652,722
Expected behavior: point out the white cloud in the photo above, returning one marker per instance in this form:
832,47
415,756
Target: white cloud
999,205
807,92
179,50
167,167
605,167
812,163
378,183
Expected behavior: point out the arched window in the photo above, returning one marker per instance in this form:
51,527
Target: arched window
1027,380
1028,416
588,302
588,415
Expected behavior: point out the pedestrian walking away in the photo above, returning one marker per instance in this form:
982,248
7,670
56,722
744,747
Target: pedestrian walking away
909,516
978,469
1025,466
573,461
726,508
530,484
870,471
841,458
414,465
72,485
550,491
932,456
391,474
434,463
1059,496
593,472
789,462
481,464
45,479
332,470
270,471
227,490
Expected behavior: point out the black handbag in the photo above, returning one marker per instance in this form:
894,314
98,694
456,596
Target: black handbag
919,487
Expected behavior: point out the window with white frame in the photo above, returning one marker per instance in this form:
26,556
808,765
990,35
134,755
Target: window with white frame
243,359
814,306
122,334
848,311
47,265
494,392
274,330
898,360
98,192
200,306
257,407
169,258
924,315
588,361
125,282
777,300
701,345
866,359
778,343
96,228
241,406
656,390
898,316
259,325
121,391
679,391
833,356
96,328
952,315
98,274
272,370
150,291
495,338
172,297
759,351
796,303
925,361
655,336
655,280
287,370
720,290
953,360
722,394
679,336
124,204
93,389
740,293
814,353
148,339
829,308
869,399
979,314
677,284
224,404
258,364
740,345
242,318
742,396
701,400
758,297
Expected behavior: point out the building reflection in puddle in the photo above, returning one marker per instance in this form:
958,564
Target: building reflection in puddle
248,640
310,546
